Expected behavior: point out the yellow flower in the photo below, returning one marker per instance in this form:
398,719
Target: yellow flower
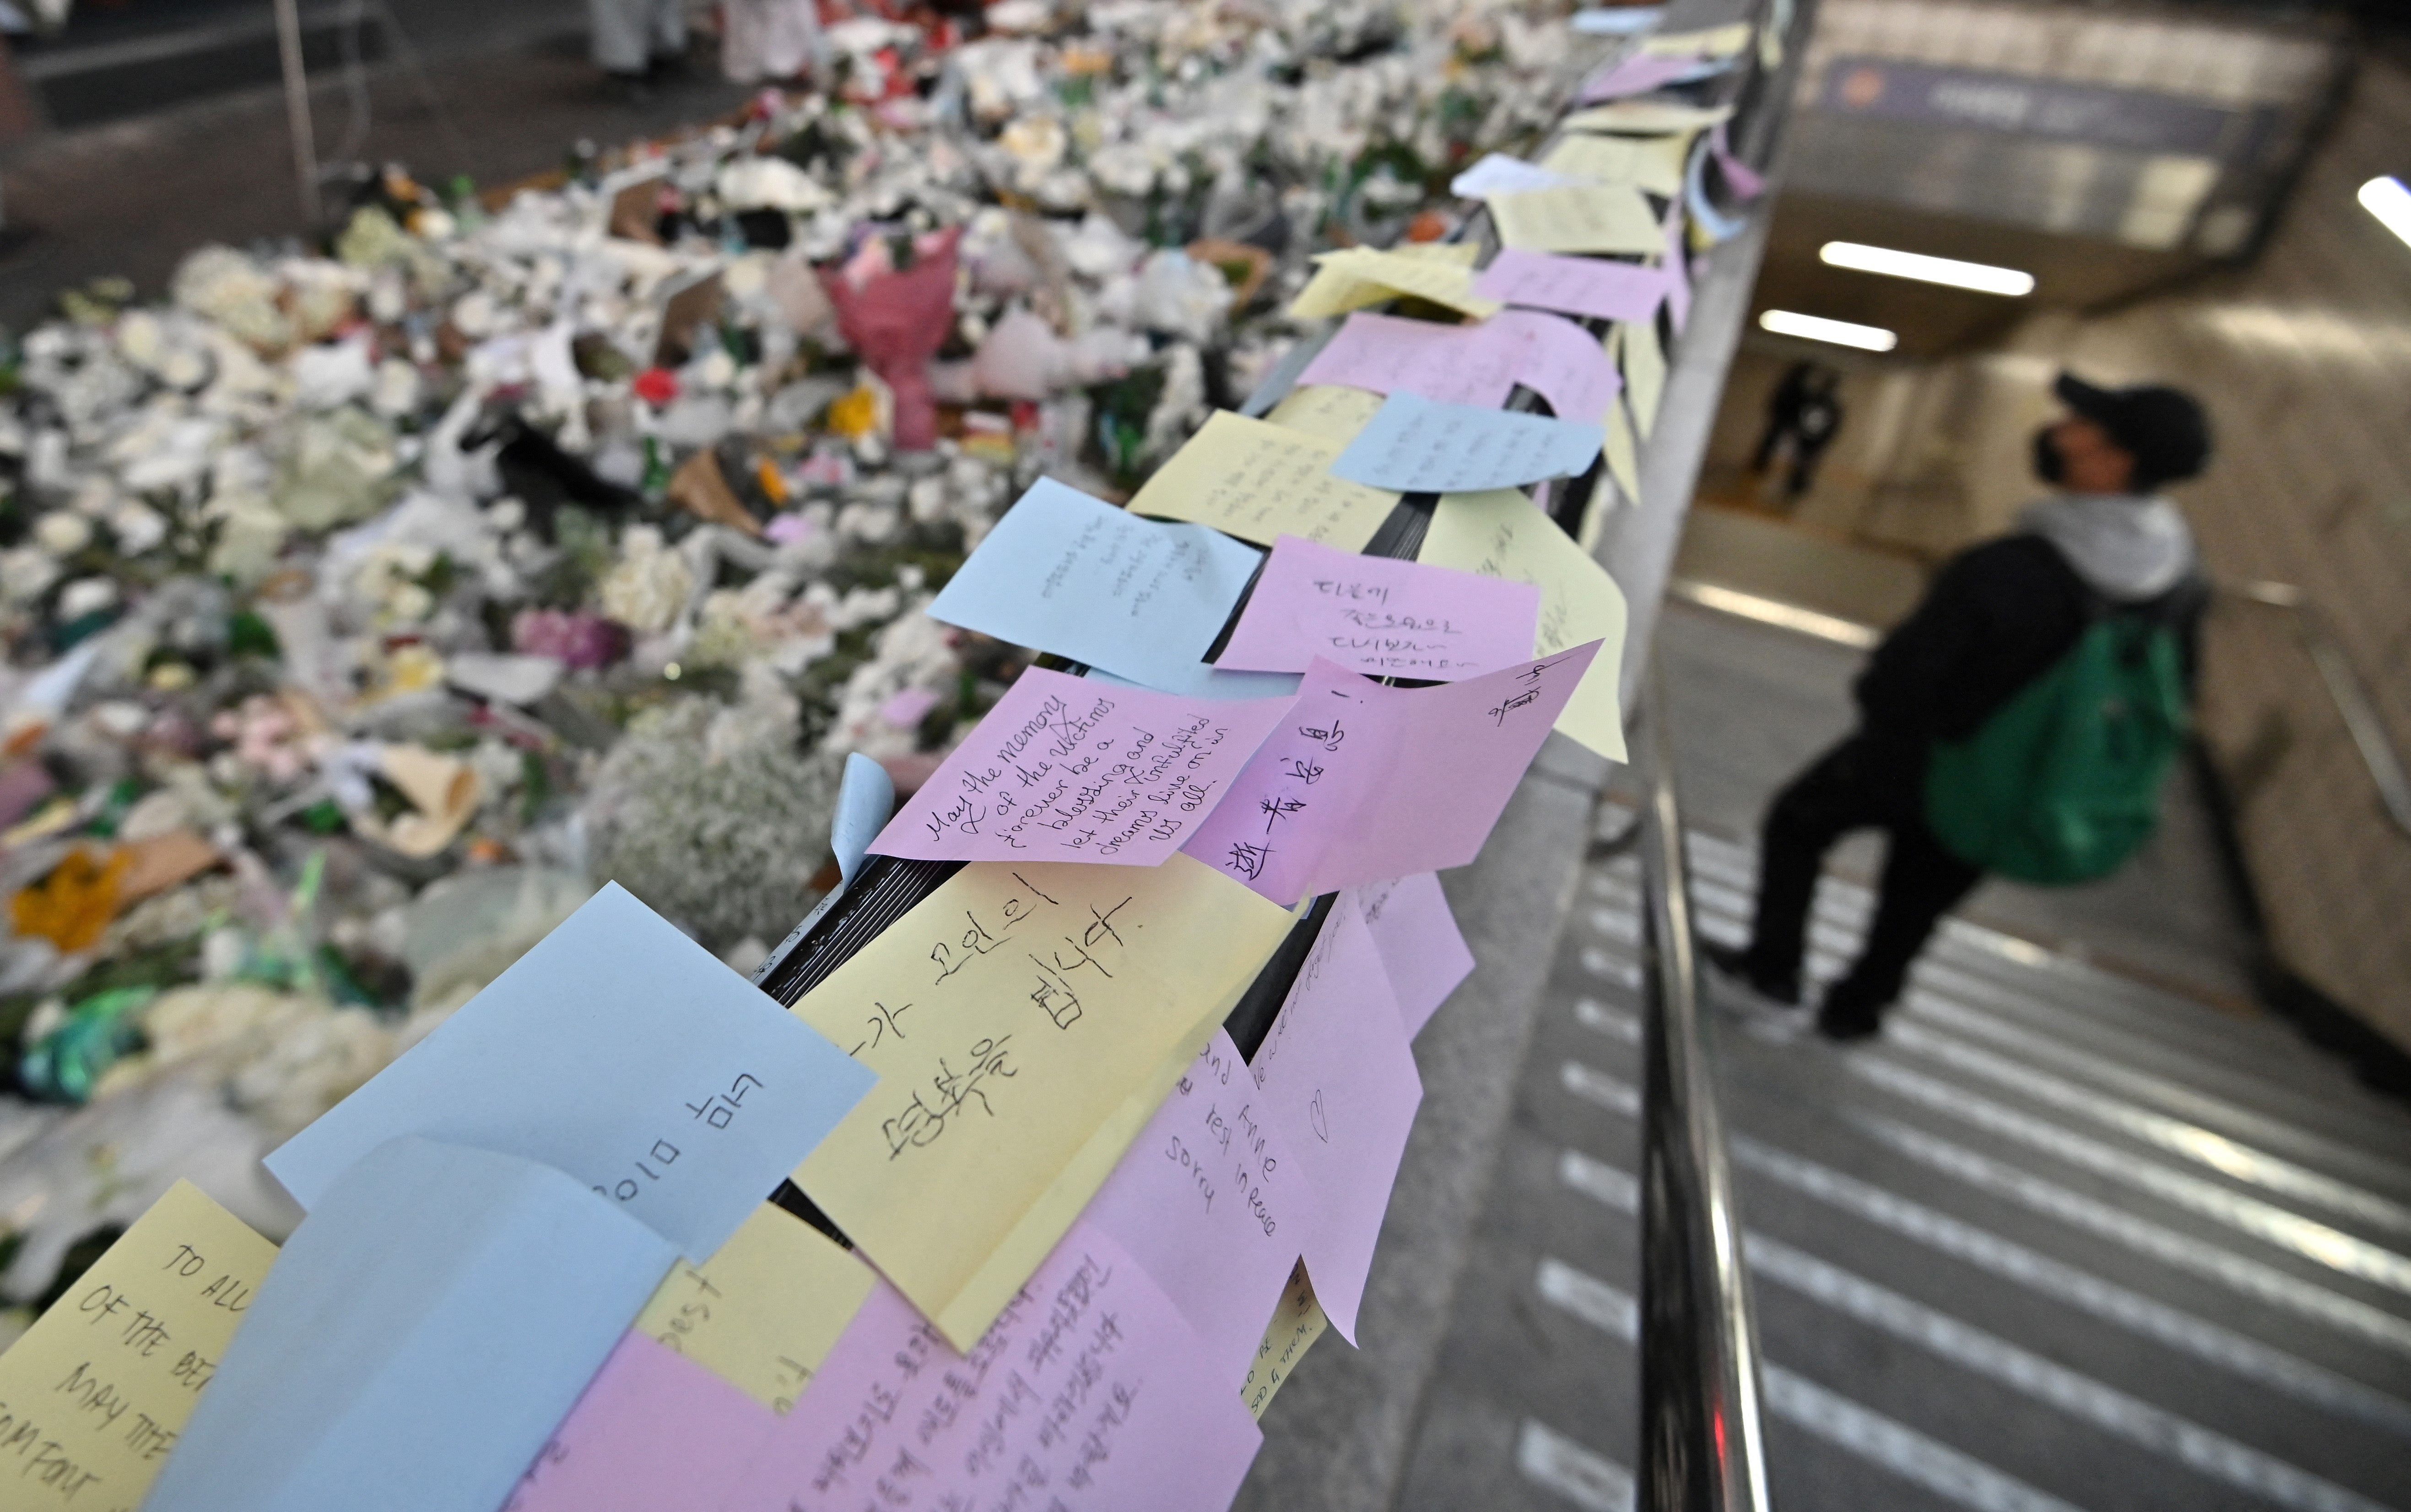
71,906
855,415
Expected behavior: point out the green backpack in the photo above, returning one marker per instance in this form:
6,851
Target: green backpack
2061,783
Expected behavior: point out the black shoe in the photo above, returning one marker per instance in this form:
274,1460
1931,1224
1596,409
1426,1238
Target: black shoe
1843,1021
1734,962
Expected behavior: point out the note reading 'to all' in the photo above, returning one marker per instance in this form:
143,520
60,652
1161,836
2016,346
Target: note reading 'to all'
1364,782
1026,1020
1260,482
97,1390
1065,768
1419,446
1378,616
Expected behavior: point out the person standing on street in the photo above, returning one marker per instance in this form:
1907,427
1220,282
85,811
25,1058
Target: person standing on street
1801,419
631,37
2019,720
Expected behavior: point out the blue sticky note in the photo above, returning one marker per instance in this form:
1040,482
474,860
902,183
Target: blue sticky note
622,1053
1414,444
1068,573
865,801
419,1338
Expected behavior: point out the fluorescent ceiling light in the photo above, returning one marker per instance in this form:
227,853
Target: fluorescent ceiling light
2386,199
1818,329
1980,277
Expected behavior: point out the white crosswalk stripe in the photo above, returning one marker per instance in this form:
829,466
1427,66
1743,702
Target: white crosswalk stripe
1548,1458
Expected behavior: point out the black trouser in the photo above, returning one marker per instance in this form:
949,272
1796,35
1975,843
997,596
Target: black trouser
1861,783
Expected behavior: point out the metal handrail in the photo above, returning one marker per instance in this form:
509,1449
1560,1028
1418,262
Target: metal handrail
1701,1447
2351,696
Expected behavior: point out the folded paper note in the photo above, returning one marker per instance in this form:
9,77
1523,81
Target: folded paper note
1062,769
1477,365
762,1311
1011,1015
1378,616
1421,951
95,1393
1320,806
1068,573
653,1432
1575,286
864,800
1296,1323
622,1053
1260,481
1358,276
1499,534
424,1330
1209,1202
1590,217
1090,1394
1651,163
1420,445
1336,1075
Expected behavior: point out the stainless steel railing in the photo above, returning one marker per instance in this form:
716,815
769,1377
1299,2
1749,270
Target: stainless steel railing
1702,1450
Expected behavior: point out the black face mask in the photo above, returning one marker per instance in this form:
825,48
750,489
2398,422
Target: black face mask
2048,465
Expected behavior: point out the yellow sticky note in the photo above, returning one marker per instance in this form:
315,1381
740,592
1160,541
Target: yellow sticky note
1647,117
1652,163
1577,218
1622,450
1018,1017
1334,412
1297,1321
1643,362
1358,276
1260,481
1709,43
93,1397
1462,253
1500,534
765,1310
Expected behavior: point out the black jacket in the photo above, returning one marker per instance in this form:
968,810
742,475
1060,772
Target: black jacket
1997,616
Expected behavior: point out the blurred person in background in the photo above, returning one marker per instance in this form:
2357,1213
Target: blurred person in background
2020,721
1800,421
769,40
634,39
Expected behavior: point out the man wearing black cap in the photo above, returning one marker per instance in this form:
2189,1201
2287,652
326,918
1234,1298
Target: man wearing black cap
1999,615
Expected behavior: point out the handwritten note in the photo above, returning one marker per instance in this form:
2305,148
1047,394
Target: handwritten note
425,1330
96,1392
1332,410
1636,73
1367,782
1499,534
1090,1394
1296,1323
1575,286
653,1432
1378,616
620,1052
1477,365
1210,1202
1012,1016
1651,163
1645,371
1706,42
1068,573
1623,454
762,1312
1358,276
1423,953
1420,445
1591,217
1062,769
1647,117
1261,481
1341,1084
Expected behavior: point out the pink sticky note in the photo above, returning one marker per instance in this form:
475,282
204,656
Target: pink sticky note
1379,615
1742,180
1338,1078
1637,74
1474,364
1213,1208
1067,769
1422,949
1576,285
1089,1393
1363,782
654,1432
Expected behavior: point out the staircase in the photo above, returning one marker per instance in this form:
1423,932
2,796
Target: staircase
2058,1240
